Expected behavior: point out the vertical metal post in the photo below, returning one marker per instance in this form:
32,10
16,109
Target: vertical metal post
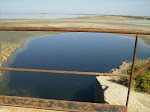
132,72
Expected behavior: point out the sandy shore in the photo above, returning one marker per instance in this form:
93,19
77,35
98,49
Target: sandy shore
84,22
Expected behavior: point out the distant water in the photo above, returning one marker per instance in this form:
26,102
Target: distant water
138,21
90,52
58,16
130,21
39,16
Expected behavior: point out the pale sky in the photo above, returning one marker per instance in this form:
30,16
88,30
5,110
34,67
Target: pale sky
109,7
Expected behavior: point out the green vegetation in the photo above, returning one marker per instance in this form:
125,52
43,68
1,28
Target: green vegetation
141,82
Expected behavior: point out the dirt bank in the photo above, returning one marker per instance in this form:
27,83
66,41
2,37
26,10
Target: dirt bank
85,23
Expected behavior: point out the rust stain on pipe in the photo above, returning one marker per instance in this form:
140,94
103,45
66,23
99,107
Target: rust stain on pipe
72,29
61,105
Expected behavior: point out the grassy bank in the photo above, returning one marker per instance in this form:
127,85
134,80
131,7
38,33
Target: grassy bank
141,82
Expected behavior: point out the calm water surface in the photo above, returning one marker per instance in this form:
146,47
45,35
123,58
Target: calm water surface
91,52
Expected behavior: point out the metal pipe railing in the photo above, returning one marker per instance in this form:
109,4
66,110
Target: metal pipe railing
132,72
71,106
71,29
63,72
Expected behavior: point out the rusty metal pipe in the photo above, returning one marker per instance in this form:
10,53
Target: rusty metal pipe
72,29
132,72
61,105
63,72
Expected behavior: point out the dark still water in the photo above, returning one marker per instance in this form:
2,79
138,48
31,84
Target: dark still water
90,52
